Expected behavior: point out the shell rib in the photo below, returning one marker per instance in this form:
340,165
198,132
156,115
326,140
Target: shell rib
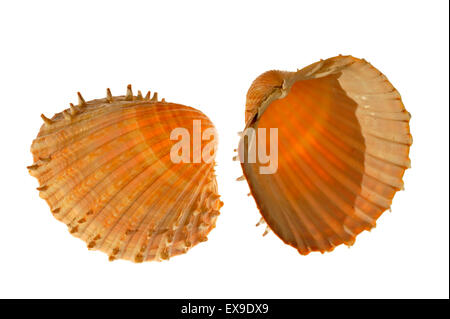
104,168
343,146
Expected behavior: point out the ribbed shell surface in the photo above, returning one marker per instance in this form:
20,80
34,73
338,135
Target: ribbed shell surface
104,168
343,145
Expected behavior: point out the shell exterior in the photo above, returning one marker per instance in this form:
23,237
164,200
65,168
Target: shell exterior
104,169
343,146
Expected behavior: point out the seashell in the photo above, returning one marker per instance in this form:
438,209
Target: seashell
343,146
105,169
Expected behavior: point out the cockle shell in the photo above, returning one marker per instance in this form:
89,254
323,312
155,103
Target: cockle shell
104,168
343,146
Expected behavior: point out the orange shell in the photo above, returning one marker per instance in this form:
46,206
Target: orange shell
343,146
104,169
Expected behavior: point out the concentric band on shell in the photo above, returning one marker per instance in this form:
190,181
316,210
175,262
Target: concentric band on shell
104,168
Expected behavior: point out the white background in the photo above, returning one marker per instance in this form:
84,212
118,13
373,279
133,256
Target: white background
205,54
